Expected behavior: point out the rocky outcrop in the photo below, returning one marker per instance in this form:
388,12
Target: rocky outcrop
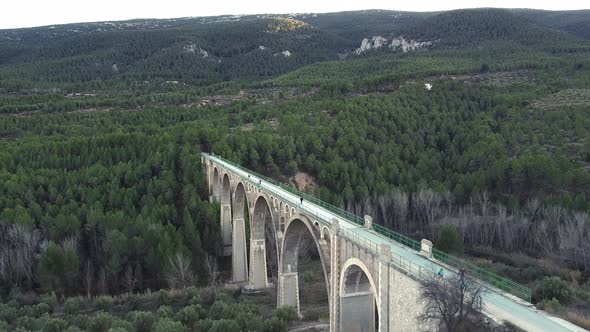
285,53
408,45
394,43
370,44
192,48
203,53
284,24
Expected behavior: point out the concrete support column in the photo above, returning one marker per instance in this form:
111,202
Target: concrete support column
226,229
239,258
258,276
334,277
385,324
289,290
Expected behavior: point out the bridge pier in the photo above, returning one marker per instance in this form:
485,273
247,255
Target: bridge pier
289,290
239,258
258,275
334,277
383,288
226,229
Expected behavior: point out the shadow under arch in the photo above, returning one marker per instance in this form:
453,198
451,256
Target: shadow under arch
226,215
297,229
215,184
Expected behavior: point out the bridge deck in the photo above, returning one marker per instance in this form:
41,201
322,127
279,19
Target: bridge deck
496,303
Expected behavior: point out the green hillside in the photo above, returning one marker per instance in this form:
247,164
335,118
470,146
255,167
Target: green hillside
483,134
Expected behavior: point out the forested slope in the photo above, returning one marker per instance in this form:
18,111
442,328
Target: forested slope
102,191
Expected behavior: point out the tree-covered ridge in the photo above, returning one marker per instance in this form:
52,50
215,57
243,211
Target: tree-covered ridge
201,51
194,54
461,28
572,21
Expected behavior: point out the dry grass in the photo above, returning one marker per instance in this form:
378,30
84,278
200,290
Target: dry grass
563,98
497,78
578,319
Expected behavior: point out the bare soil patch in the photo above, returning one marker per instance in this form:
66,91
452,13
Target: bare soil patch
303,181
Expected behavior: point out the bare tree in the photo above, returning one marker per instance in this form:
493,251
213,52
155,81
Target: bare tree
483,202
180,275
400,205
138,276
428,206
385,217
129,279
573,238
532,208
102,282
451,302
18,246
212,269
88,278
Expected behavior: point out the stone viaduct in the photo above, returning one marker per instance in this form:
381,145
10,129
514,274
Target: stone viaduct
372,282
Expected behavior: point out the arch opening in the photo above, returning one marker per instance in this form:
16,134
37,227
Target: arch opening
358,302
215,184
225,190
304,276
226,215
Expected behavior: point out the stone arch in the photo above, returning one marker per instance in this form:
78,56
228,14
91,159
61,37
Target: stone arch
297,227
325,232
292,212
358,297
239,227
261,227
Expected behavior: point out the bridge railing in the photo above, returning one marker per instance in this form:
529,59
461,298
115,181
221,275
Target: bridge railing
400,262
397,237
482,274
491,278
